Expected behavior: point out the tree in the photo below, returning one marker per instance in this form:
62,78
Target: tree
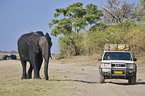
117,11
75,18
140,11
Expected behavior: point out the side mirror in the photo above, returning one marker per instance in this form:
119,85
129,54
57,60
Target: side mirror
99,59
134,59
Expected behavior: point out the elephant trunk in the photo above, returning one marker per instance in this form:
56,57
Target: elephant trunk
46,69
45,49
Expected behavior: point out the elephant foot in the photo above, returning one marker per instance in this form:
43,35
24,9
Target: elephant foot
47,78
29,76
24,77
37,77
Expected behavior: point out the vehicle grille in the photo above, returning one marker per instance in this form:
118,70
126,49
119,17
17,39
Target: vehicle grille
118,65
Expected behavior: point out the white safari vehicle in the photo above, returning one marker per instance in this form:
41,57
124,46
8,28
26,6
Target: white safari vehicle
117,63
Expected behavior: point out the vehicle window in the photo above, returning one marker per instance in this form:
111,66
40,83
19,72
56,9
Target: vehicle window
117,56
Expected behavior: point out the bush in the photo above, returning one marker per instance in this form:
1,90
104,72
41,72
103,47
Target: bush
93,41
136,38
112,34
71,45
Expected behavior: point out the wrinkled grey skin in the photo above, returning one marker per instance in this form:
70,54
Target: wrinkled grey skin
33,47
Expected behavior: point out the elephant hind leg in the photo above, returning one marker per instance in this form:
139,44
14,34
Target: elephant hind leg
24,76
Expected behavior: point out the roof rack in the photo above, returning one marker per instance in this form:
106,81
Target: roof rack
116,47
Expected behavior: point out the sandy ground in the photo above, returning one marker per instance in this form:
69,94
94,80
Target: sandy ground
82,73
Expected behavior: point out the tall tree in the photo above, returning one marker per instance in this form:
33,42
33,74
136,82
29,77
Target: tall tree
75,18
116,11
140,11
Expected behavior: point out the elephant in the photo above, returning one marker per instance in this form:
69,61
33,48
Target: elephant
13,57
32,48
5,57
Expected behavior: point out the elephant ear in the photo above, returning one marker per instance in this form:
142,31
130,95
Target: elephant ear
33,42
49,39
43,44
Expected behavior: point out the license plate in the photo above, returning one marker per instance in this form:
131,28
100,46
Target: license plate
118,72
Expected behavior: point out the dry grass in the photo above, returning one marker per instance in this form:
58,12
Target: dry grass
68,77
12,85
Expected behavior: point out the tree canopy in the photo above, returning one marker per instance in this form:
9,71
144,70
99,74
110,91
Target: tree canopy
117,11
119,16
75,18
140,10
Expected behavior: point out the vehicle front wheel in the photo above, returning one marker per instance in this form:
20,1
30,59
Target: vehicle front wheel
101,79
132,80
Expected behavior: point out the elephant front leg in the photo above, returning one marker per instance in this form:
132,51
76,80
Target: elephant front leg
24,76
46,69
36,74
40,60
29,76
36,70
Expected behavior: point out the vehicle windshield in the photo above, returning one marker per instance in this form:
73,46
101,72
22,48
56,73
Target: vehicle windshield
117,56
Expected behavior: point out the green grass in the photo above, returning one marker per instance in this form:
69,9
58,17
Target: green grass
12,85
17,87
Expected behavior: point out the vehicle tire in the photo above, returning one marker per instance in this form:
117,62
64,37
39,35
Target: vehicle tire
132,80
101,79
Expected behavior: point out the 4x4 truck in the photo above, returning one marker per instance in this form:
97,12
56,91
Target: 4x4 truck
117,63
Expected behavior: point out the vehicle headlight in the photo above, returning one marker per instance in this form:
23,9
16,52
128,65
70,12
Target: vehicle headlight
130,66
105,65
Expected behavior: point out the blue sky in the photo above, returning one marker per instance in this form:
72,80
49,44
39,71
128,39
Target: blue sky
18,17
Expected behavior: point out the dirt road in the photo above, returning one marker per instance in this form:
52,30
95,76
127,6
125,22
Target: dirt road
79,76
84,73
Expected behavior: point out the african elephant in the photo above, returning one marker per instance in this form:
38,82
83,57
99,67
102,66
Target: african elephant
5,57
33,47
13,57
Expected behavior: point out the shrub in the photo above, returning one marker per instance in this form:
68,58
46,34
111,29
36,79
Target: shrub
112,34
136,38
71,45
93,41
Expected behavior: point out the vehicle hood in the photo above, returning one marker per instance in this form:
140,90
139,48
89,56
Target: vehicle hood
116,61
